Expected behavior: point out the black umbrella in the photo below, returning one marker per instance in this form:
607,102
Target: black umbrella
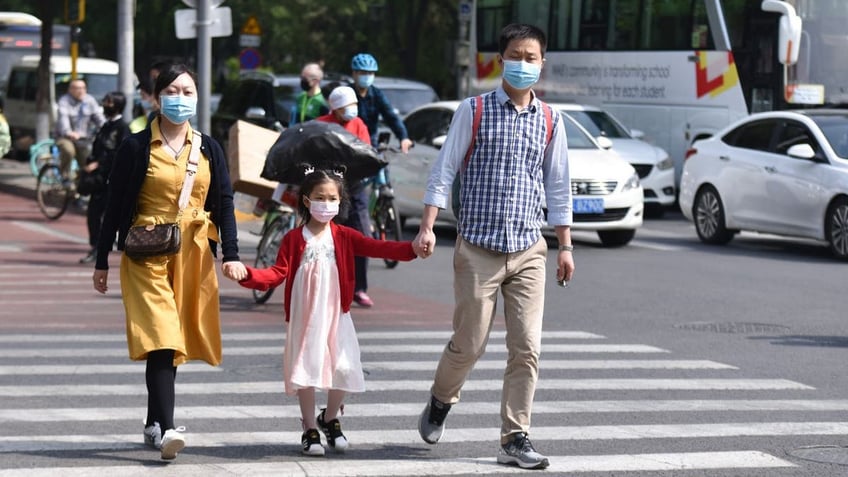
324,146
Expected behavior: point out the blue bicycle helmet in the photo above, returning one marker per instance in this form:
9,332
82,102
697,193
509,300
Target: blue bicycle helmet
363,62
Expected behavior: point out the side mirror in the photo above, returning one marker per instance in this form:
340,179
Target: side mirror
789,30
801,151
604,142
439,141
255,112
637,133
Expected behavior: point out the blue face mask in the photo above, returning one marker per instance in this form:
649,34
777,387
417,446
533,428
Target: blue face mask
520,74
178,108
365,80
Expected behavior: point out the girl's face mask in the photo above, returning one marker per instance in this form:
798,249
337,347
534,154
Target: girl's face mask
323,211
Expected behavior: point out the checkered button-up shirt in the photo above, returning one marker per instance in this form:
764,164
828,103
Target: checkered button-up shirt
510,175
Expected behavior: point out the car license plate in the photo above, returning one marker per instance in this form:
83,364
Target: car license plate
588,206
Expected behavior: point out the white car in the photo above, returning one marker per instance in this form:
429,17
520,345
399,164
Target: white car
783,173
606,193
652,163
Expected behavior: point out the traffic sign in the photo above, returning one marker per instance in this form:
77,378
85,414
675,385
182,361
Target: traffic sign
251,26
250,59
221,22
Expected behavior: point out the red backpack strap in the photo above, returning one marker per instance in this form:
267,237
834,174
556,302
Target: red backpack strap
475,126
549,122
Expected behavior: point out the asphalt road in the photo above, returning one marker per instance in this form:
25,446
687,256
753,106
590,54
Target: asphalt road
665,357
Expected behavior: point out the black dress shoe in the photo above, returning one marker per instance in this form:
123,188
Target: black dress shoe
92,255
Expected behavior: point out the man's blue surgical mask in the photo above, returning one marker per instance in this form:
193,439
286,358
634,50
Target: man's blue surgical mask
521,74
178,108
365,80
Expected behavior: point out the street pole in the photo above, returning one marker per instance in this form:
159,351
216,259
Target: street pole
126,58
204,64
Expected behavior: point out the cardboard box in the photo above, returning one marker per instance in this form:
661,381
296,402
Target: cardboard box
248,147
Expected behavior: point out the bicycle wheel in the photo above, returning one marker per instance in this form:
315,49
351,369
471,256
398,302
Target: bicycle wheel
387,223
52,192
266,252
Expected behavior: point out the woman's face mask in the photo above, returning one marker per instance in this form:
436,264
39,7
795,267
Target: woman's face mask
178,108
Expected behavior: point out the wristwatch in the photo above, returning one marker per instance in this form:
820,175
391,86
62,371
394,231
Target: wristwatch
566,248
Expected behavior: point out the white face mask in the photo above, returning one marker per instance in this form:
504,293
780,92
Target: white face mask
350,112
323,211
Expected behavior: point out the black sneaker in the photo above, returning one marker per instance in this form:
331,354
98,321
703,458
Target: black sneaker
311,441
333,431
431,425
520,451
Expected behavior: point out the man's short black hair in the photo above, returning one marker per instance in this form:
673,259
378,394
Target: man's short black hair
521,31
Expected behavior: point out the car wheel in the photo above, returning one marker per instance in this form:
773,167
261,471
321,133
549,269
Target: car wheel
837,227
616,238
708,212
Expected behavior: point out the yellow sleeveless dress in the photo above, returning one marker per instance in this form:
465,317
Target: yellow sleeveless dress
172,302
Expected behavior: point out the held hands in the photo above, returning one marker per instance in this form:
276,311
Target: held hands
424,243
234,271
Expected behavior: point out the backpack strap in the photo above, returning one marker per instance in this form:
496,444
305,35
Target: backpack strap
549,122
475,126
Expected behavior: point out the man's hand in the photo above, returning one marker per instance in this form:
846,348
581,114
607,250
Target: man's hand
424,243
405,144
72,135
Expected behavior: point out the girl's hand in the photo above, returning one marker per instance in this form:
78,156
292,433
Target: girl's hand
99,278
235,271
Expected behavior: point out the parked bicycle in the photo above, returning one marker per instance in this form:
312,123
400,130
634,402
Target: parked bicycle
54,191
280,217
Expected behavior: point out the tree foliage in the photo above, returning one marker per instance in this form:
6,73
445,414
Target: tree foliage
409,38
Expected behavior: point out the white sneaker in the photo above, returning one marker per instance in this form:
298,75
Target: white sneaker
172,443
153,436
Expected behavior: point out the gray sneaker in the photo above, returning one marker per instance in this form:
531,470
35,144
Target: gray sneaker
153,436
520,451
431,425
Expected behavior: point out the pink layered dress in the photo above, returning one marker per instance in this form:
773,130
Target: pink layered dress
321,346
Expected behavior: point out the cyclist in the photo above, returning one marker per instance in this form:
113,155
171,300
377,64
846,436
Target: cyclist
79,118
310,103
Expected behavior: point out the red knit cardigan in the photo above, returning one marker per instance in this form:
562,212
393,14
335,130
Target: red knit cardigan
347,242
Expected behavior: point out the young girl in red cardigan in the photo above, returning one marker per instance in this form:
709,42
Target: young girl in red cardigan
316,262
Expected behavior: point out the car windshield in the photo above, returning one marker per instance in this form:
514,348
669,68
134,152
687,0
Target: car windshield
835,129
405,100
577,139
599,123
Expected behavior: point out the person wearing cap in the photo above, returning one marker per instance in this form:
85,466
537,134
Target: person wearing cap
310,103
344,111
373,102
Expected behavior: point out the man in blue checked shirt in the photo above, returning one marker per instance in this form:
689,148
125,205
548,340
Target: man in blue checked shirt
512,166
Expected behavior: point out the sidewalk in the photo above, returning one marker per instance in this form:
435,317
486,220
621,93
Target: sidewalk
16,179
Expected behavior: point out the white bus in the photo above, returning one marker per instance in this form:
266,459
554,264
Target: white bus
676,69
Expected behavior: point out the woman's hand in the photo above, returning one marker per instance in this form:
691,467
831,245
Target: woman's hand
235,271
99,278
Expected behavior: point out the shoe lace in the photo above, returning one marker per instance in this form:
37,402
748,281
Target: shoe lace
438,412
522,443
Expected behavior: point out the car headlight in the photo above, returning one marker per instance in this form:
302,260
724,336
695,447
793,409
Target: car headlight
665,164
631,183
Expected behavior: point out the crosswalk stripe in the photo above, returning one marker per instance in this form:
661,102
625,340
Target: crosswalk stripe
193,367
400,436
281,337
258,387
420,467
80,352
369,410
95,369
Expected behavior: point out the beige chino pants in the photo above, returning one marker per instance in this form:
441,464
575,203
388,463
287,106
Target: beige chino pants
479,274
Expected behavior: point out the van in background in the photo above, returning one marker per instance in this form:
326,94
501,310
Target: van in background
101,77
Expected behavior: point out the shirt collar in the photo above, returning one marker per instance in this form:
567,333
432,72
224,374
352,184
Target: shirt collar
503,99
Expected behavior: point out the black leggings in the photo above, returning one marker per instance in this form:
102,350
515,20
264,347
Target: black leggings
161,375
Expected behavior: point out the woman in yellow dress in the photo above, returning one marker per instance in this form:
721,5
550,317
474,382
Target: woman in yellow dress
171,302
